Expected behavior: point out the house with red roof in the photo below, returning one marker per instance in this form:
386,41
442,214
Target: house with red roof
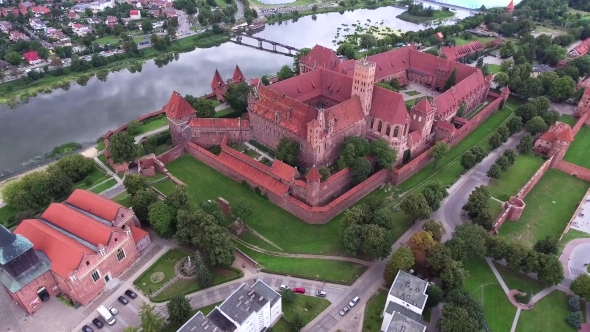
74,248
72,15
580,50
135,14
557,138
457,53
5,26
40,10
5,11
32,57
15,36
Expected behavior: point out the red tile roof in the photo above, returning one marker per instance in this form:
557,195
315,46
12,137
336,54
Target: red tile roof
283,170
233,123
456,52
137,233
423,106
316,83
321,57
345,114
238,76
217,80
178,107
453,97
94,204
314,175
415,136
31,56
65,253
510,5
439,35
389,106
559,131
446,126
133,12
79,224
40,10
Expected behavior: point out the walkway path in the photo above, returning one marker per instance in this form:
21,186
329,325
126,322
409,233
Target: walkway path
222,106
515,321
573,268
262,153
138,138
108,170
498,276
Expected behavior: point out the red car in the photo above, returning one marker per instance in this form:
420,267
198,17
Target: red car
299,290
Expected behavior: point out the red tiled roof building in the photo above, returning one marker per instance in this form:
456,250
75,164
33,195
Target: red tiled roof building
555,141
510,7
74,248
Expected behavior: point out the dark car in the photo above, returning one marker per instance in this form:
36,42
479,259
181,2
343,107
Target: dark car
97,323
87,328
131,294
123,300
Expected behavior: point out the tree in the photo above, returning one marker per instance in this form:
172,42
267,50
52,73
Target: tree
469,240
416,206
451,81
504,133
420,243
346,49
205,108
360,168
160,218
178,309
204,275
177,200
526,144
131,329
435,296
434,193
495,140
134,183
503,162
367,41
141,202
581,286
13,58
297,57
385,155
288,296
213,209
375,241
237,96
202,230
510,155
401,259
562,88
479,152
501,79
549,269
242,209
296,323
455,319
122,147
285,73
547,246
575,319
536,125
468,160
454,275
352,238
287,151
514,124
151,321
439,150
435,228
462,298
574,303
133,128
75,166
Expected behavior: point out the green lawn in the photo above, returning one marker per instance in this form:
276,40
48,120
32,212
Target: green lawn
548,315
572,234
519,281
257,241
311,268
567,119
100,146
123,199
108,39
549,31
495,207
484,286
165,186
269,220
550,206
162,148
511,181
493,68
412,93
164,264
578,150
373,310
413,102
97,176
223,112
483,40
155,123
307,307
5,213
104,186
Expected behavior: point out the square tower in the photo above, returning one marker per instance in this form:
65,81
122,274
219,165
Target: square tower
363,82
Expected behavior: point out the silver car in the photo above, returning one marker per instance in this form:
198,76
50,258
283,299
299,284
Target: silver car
344,311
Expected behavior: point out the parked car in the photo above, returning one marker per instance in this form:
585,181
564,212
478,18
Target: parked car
344,311
320,294
283,287
354,301
113,311
87,328
123,300
299,290
97,323
131,294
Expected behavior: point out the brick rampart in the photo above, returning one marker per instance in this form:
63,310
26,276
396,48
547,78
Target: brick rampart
399,175
142,118
171,154
335,186
580,123
573,169
476,121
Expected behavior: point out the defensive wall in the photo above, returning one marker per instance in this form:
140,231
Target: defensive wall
142,118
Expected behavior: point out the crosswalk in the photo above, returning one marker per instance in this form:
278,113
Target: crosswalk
576,272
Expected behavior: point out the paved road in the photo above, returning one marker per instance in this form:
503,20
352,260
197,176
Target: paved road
240,13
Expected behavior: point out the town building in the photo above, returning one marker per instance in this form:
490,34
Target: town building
456,53
247,309
37,24
555,140
32,58
580,50
510,7
17,35
72,15
111,20
405,304
40,10
99,6
5,26
75,248
135,14
80,29
5,11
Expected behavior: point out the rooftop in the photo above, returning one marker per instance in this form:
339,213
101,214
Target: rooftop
243,303
409,289
215,321
401,323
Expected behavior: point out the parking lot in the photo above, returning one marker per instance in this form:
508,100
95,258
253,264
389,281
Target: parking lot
128,314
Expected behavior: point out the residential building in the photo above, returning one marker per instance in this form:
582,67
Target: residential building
247,309
4,65
111,20
93,20
170,12
17,35
32,58
80,29
405,303
72,15
80,8
75,248
37,24
5,26
5,11
135,14
99,6
580,50
40,10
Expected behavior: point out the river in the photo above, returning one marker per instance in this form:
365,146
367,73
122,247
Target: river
83,113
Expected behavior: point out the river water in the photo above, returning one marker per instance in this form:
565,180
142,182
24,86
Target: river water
83,113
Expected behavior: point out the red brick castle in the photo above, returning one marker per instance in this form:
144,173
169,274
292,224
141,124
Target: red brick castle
329,100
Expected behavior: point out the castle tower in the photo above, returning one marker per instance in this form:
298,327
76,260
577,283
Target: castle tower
179,112
583,105
313,187
563,138
510,7
363,82
422,117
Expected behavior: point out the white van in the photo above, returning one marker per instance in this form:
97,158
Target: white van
106,315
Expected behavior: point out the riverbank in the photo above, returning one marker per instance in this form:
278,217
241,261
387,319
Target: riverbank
16,92
438,15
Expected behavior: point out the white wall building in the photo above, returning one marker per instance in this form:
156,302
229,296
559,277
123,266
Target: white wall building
405,303
99,6
247,309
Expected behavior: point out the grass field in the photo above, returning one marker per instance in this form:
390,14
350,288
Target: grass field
511,181
577,11
155,123
165,186
104,186
483,40
108,39
548,315
123,199
438,15
550,206
578,150
311,268
493,68
97,176
549,31
307,307
484,286
495,207
519,281
567,119
372,320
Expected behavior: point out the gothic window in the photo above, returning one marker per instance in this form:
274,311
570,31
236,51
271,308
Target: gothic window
95,275
379,126
396,131
120,254
388,130
372,122
405,129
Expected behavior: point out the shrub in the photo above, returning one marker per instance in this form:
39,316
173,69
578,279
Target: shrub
523,298
575,319
574,303
88,181
288,296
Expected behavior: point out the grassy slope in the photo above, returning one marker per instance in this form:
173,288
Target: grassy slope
123,199
578,150
483,40
373,310
567,119
519,281
511,181
543,217
104,186
307,307
548,315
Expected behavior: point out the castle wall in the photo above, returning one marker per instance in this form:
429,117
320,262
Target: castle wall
207,137
171,154
399,175
27,297
335,186
573,169
476,121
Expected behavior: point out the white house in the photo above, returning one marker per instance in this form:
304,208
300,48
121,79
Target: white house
99,6
37,24
135,14
405,303
247,309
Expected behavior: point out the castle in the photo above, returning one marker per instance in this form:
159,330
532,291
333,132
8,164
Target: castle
328,101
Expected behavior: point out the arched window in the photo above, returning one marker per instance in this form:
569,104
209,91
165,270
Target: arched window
388,131
406,129
379,127
372,122
396,131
